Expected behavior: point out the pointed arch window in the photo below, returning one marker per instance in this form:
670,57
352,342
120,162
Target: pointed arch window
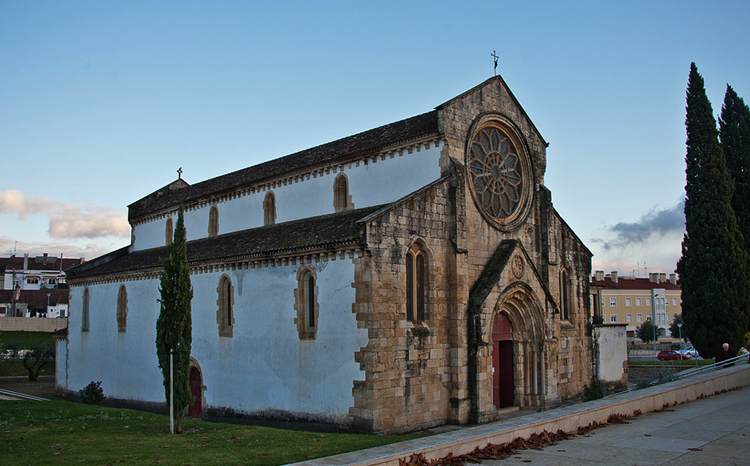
341,198
170,231
564,295
225,313
269,209
122,309
306,303
416,283
213,221
85,310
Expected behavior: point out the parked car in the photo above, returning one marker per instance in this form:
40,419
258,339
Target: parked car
690,351
671,356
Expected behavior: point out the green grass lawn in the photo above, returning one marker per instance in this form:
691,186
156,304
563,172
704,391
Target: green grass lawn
65,433
25,339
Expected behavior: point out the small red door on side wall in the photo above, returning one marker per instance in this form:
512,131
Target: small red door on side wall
196,408
502,362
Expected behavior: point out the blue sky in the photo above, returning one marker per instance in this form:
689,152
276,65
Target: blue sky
101,102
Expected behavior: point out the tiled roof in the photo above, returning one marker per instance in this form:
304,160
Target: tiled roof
36,298
348,148
37,263
312,233
630,283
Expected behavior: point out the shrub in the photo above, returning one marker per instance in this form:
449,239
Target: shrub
92,394
594,391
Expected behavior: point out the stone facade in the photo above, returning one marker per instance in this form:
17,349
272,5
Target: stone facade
425,337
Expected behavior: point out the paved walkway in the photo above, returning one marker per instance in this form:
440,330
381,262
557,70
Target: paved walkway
710,431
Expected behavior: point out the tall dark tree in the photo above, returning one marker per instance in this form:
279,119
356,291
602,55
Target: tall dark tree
713,266
174,325
676,331
734,134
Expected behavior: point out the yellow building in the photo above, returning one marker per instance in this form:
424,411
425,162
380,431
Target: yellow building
632,301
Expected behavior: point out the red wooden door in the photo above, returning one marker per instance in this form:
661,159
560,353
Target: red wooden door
196,408
502,362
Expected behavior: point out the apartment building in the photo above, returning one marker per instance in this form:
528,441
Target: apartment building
633,300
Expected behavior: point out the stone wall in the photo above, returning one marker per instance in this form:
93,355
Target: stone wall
407,364
32,324
611,353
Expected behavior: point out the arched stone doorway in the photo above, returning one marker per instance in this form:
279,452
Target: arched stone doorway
196,389
503,387
521,342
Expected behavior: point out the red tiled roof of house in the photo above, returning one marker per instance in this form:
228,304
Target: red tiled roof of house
51,264
630,283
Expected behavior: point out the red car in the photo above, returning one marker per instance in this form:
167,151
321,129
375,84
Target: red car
671,356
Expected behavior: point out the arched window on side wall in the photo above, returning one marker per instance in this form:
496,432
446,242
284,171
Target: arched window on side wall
306,303
213,221
85,310
170,231
269,209
416,283
341,198
122,309
225,302
564,295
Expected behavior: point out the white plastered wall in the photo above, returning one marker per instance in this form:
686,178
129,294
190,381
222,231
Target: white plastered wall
263,366
370,183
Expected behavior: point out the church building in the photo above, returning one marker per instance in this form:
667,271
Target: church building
413,275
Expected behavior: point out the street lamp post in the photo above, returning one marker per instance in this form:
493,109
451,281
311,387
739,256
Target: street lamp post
653,317
679,326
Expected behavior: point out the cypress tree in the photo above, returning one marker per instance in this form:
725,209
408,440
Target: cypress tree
174,325
734,134
713,266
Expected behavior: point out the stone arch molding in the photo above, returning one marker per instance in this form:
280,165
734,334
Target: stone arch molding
519,302
531,360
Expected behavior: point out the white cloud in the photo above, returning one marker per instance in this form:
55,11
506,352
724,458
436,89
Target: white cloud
653,242
67,221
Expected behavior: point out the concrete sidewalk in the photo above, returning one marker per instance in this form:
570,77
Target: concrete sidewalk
717,407
713,430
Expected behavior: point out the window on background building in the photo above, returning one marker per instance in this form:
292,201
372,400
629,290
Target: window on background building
213,221
341,198
170,231
648,301
648,318
269,209
416,283
32,281
85,310
613,318
674,301
612,302
637,301
639,317
225,301
602,302
627,302
122,309
306,303
628,318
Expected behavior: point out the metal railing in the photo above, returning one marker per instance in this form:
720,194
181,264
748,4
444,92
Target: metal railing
698,370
